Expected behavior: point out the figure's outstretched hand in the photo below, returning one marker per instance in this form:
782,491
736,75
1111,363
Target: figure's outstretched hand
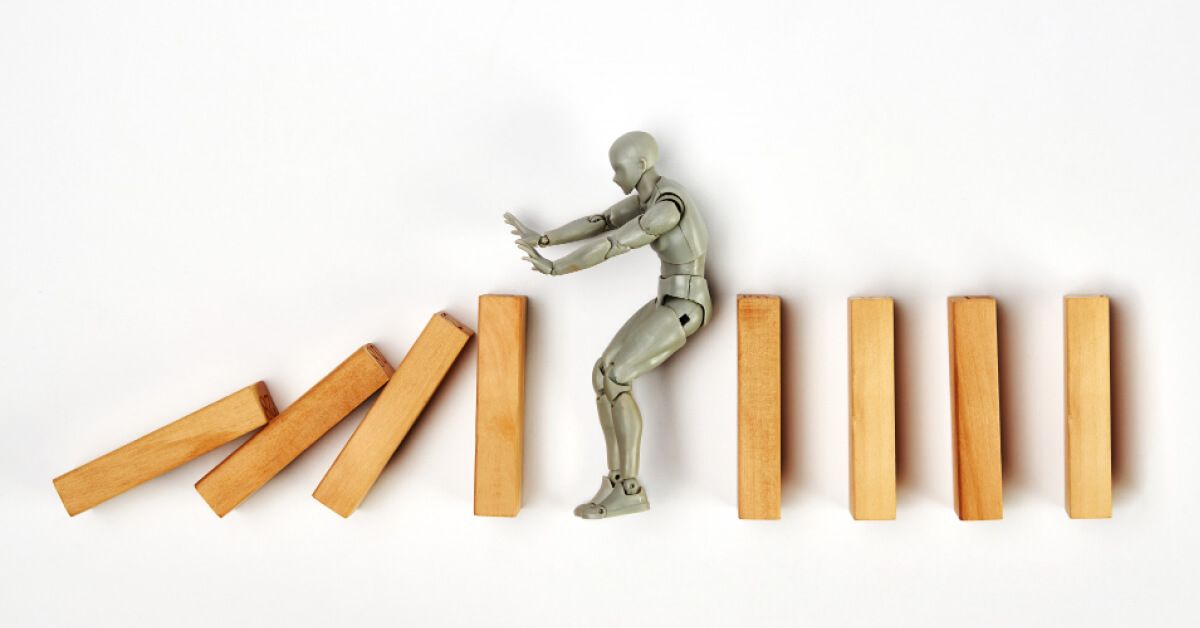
526,236
540,264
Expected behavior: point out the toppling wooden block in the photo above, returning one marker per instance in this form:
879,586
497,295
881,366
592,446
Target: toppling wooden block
166,448
499,405
872,408
361,461
759,407
259,459
1087,407
975,405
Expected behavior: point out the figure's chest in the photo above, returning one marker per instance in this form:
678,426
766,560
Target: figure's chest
672,247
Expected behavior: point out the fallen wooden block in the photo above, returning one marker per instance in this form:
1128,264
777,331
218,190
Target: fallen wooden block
299,426
759,407
372,444
166,448
1087,407
499,405
872,409
975,404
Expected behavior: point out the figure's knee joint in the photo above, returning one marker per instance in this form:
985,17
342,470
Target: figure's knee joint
598,377
620,374
614,385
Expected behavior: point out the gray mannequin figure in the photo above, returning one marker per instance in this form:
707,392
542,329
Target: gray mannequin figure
658,212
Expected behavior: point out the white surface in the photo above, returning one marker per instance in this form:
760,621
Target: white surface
198,195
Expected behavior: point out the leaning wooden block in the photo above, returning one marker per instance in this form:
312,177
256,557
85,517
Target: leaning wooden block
499,405
299,426
872,409
387,422
759,407
165,448
1087,407
975,404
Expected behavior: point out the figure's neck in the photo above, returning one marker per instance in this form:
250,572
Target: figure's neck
646,184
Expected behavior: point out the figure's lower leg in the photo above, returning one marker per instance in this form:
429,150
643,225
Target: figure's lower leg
604,409
625,493
627,423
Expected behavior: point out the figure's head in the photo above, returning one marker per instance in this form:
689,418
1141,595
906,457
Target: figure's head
631,156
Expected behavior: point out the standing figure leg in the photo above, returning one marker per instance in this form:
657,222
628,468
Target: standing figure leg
651,336
604,406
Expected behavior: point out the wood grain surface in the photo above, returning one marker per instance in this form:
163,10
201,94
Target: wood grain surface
759,406
1087,407
165,448
499,405
975,406
259,459
872,408
372,444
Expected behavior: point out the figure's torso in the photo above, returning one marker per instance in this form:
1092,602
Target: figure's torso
681,250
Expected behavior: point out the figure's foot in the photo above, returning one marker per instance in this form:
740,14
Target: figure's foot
624,498
606,487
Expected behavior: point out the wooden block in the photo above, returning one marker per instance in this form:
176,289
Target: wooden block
499,405
387,422
872,409
759,410
299,426
1087,409
165,448
975,404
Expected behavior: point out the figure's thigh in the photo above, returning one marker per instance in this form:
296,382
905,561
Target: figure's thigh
650,342
618,340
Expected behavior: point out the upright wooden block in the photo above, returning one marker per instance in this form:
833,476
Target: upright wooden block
361,461
499,405
759,409
1087,407
872,409
165,448
299,426
975,404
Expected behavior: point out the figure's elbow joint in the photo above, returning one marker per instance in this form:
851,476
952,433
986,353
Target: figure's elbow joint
615,247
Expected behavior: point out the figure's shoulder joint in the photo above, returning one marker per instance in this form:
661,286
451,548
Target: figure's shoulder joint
660,218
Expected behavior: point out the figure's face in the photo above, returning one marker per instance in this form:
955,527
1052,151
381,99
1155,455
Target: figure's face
627,170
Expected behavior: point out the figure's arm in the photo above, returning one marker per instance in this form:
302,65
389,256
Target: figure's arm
578,229
588,226
635,232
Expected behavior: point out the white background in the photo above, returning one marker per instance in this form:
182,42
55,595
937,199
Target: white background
195,196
